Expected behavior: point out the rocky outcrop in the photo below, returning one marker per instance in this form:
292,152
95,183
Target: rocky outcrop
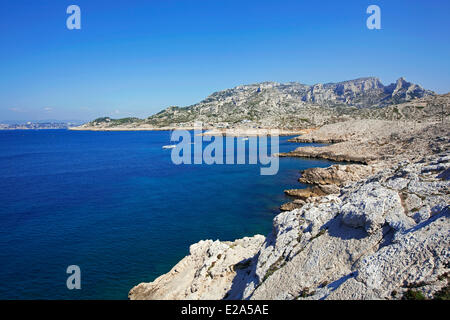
339,175
316,191
296,204
326,181
303,194
365,243
206,273
371,141
403,90
364,92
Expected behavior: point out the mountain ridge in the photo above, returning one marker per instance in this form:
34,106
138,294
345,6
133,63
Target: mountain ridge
281,105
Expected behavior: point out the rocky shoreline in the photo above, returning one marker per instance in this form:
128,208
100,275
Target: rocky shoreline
375,229
126,128
234,132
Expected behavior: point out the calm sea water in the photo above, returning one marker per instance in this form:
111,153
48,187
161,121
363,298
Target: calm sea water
114,204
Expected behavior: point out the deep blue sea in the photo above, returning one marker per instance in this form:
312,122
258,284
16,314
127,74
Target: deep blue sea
114,204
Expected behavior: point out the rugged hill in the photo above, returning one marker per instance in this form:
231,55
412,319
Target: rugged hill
288,105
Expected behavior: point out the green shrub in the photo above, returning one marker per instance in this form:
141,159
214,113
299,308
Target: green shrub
305,293
413,295
443,294
274,267
321,232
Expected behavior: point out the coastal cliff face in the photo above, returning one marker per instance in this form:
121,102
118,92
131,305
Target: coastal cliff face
382,232
207,273
288,106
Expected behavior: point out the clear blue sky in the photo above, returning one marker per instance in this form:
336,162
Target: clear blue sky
134,58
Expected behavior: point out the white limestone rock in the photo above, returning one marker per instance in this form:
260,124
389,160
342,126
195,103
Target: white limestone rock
371,206
206,273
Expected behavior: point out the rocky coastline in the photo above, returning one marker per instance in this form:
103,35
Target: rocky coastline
88,127
207,131
378,229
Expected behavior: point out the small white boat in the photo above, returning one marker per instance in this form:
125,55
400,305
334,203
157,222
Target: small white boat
244,139
171,146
